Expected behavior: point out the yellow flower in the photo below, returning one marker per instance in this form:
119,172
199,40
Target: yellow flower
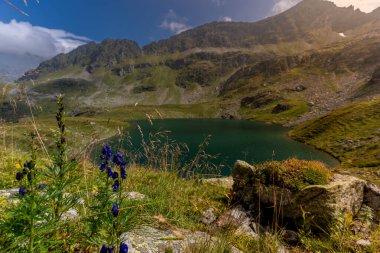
94,190
18,166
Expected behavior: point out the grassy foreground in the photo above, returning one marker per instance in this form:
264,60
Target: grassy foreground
175,203
171,201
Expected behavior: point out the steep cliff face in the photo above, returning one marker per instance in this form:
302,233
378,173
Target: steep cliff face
92,55
372,87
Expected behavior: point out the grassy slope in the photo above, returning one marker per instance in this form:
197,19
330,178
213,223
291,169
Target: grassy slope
265,114
350,134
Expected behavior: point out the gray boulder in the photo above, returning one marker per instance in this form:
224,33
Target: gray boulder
208,216
151,240
237,220
372,199
344,194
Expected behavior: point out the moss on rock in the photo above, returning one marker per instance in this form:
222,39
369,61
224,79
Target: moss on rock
294,174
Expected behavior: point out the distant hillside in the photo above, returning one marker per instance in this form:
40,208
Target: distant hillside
90,56
12,66
312,22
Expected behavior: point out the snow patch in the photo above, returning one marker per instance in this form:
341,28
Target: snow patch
342,35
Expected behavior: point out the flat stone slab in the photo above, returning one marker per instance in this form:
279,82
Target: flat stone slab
151,240
9,193
225,182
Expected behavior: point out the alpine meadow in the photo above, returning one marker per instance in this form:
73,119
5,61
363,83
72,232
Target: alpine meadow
194,126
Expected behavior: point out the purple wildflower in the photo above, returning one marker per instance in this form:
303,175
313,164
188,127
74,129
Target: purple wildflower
115,210
42,186
19,176
118,158
123,248
115,175
104,249
116,185
109,172
21,191
123,172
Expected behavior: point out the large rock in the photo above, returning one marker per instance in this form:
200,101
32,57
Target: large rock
225,182
208,216
237,220
151,240
344,194
372,199
9,193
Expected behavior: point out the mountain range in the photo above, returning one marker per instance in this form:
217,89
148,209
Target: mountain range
12,66
290,68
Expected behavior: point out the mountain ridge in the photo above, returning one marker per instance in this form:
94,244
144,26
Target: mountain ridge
333,55
310,24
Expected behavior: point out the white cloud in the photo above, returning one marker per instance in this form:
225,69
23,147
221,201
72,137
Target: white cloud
174,23
24,38
363,5
219,2
175,27
226,19
283,5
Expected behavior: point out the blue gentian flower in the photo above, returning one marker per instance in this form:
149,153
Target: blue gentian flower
42,186
110,249
115,175
104,249
115,210
118,158
123,172
21,191
102,167
109,172
19,176
105,149
106,153
116,185
123,248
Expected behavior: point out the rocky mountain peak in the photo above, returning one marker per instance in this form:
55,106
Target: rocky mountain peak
92,55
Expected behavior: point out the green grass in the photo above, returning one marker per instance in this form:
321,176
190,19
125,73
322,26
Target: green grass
298,108
70,87
179,201
358,124
72,70
127,113
350,134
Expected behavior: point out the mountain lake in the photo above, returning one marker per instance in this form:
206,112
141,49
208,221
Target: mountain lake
229,140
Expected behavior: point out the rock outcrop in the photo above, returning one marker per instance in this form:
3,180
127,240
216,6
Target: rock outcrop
320,203
151,240
372,199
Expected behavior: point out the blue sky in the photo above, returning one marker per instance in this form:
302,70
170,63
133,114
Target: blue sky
141,20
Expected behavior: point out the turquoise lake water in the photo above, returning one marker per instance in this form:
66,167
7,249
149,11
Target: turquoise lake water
232,140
